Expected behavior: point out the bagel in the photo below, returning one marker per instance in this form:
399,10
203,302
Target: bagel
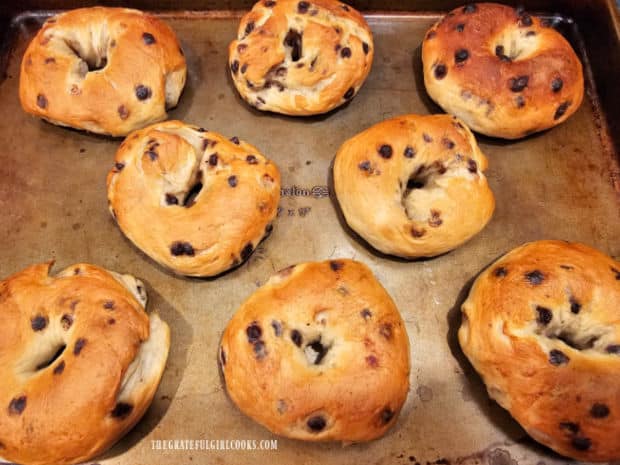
505,73
542,327
413,186
318,353
105,70
80,361
192,200
300,58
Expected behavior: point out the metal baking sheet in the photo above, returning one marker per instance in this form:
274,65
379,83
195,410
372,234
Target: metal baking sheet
557,184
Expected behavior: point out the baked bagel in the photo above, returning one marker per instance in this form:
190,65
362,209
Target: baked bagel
191,199
505,73
413,186
105,70
542,327
80,361
301,58
318,353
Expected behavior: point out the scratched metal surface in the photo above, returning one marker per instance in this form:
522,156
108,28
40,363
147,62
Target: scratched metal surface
53,202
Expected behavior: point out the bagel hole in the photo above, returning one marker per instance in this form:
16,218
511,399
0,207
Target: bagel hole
316,351
294,42
574,333
190,198
94,59
514,45
51,356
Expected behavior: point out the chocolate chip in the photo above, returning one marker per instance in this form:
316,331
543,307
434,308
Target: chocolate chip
50,60
385,151
435,220
111,321
213,159
386,330
544,315
566,267
249,28
561,110
535,277
152,155
372,361
417,232
79,345
344,7
235,140
259,349
617,272
41,101
613,349
17,405
500,272
409,152
366,48
148,38
447,143
581,443
460,27
386,415
302,7
179,248
427,138
316,423
123,112
599,410
58,369
66,321
251,159
569,426
557,84
366,314
171,199
38,323
143,92
469,8
517,84
122,410
499,52
472,166
244,68
349,93
247,251
277,328
293,39
335,266
345,52
525,20
364,166
557,357
269,3
461,56
575,306
234,66
232,181
254,332
441,71
530,34
296,337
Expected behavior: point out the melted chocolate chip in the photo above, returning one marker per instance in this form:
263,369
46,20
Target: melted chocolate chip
123,112
302,7
122,410
364,166
385,151
316,423
599,410
148,38
254,332
335,266
435,220
244,68
296,337
613,349
79,345
269,3
520,101
561,110
179,248
152,155
417,233
232,181
349,93
386,330
38,323
517,84
366,314
277,328
108,305
235,140
500,272
259,349
366,48
171,200
372,361
409,152
499,52
58,369
213,159
557,357
617,272
143,92
345,52
460,27
581,443
575,306
234,66
447,143
251,159
41,101
17,405
441,71
557,84
386,415
544,315
460,56
249,28
293,39
472,166
525,20
535,277
569,426
469,8
66,321
427,138
247,251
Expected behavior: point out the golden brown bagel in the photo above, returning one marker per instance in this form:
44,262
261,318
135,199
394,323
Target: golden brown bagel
413,186
505,73
318,353
80,361
105,70
542,327
192,200
300,57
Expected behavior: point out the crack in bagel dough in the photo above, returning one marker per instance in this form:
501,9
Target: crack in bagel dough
300,58
81,361
503,72
413,186
105,70
541,326
191,199
319,353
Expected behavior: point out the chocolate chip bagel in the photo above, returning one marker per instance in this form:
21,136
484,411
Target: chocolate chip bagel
505,73
318,353
80,362
542,327
105,70
301,57
413,186
191,199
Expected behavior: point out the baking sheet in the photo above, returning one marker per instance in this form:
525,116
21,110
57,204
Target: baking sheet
558,184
